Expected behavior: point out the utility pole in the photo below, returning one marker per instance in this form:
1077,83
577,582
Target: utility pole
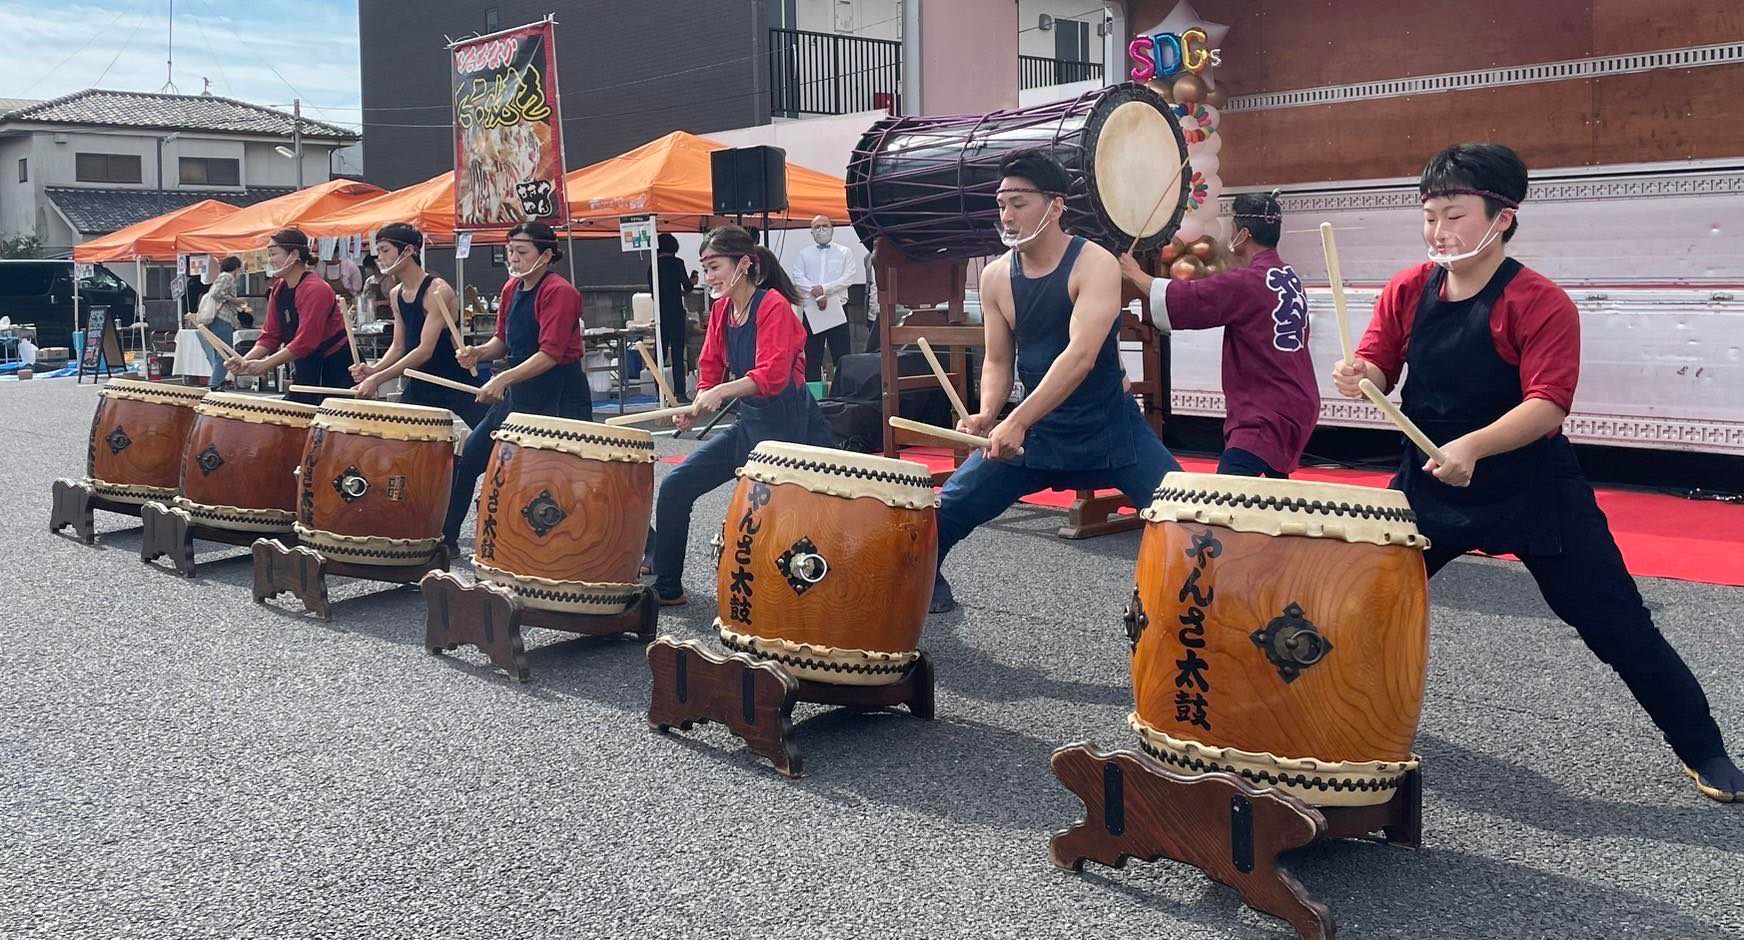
297,137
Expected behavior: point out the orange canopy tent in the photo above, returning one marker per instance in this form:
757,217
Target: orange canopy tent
248,229
155,238
428,206
671,178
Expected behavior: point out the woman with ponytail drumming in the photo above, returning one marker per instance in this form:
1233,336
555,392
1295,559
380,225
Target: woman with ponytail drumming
417,303
540,331
755,336
303,325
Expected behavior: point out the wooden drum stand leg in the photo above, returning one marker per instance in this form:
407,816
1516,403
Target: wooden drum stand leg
490,617
1219,823
171,533
74,505
754,699
302,572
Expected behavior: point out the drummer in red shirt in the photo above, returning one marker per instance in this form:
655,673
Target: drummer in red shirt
303,325
1269,389
753,354
1493,350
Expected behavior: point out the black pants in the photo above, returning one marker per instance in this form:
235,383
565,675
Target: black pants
873,340
1588,586
839,342
1236,462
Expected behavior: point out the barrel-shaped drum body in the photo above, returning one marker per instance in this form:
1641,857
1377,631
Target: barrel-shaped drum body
826,562
239,470
929,183
374,482
563,513
1280,630
137,437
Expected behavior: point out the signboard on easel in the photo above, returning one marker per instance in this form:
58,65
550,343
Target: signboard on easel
102,351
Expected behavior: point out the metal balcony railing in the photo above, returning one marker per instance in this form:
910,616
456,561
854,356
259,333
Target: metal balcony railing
823,73
1034,71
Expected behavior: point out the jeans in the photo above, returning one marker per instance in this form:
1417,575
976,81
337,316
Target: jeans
221,328
981,489
1236,462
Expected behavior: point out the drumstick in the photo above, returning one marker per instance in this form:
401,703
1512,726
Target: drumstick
453,327
350,337
1405,424
642,417
943,434
321,390
217,343
654,367
1160,200
439,380
1337,280
926,350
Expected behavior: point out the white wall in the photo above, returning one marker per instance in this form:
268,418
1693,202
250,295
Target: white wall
1033,41
867,19
17,200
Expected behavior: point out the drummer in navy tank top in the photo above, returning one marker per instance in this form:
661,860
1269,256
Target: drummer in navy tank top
1051,309
421,340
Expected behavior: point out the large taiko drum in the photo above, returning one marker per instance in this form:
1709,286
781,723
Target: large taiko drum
928,183
563,513
1281,632
375,481
137,438
239,470
826,562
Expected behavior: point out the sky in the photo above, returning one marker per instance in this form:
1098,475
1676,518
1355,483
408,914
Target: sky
266,53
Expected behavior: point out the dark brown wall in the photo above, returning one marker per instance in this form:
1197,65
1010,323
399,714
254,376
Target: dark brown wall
1282,45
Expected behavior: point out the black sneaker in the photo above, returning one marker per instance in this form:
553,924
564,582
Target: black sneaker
1718,778
943,600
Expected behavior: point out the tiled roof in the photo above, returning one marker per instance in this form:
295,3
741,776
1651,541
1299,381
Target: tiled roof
13,104
173,112
101,211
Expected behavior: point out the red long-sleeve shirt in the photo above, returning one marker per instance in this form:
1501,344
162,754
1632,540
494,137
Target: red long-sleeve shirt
318,318
780,346
557,307
1533,325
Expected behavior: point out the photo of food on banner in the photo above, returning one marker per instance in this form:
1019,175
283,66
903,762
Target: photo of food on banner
508,133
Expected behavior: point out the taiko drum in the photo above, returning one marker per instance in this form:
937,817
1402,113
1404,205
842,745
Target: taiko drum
1280,631
239,470
563,513
374,482
826,562
137,438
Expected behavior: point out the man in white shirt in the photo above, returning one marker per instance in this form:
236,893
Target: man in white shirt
872,343
822,273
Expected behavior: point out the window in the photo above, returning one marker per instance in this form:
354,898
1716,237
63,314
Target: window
210,171
490,20
107,168
23,170
101,279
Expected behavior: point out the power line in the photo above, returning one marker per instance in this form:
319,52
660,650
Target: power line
93,38
99,82
215,57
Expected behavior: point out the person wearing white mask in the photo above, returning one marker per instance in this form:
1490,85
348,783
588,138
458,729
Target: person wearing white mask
303,325
1051,309
1489,353
822,273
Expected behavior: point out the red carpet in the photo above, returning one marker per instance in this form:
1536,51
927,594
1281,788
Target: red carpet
1661,536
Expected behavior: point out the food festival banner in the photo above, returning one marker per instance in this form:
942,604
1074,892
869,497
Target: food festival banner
508,129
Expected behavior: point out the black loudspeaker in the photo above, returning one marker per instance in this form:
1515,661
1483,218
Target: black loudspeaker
749,180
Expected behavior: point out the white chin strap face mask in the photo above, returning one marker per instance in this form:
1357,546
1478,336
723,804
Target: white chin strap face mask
523,275
279,271
1012,241
1448,261
738,275
397,264
822,236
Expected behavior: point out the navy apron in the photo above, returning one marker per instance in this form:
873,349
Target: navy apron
441,363
791,414
561,391
1456,383
329,366
1086,431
